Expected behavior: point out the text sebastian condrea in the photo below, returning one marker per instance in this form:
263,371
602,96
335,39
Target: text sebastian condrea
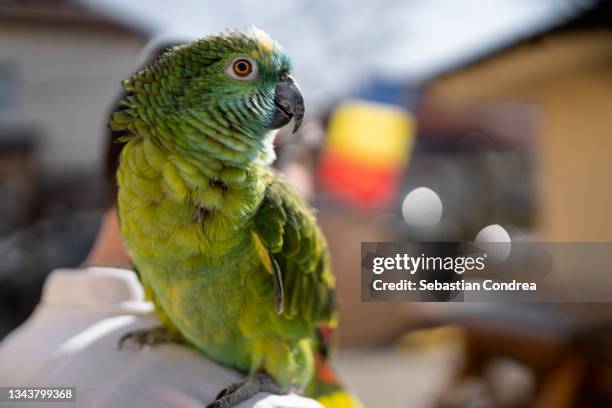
424,284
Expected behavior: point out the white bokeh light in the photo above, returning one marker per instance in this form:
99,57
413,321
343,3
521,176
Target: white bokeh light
422,208
495,241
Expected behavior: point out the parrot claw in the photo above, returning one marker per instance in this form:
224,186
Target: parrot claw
148,337
227,390
240,391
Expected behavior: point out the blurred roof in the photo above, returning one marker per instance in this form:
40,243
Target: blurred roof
596,15
59,12
338,45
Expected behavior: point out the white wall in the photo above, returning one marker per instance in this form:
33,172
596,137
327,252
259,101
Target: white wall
66,78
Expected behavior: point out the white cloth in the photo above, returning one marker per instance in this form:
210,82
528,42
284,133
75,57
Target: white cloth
71,339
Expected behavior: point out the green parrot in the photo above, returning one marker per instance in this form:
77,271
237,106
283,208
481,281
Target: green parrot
230,255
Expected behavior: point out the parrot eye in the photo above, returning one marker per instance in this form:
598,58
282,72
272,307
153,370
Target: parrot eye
242,68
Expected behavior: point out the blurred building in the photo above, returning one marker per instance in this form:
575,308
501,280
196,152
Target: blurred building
60,66
566,72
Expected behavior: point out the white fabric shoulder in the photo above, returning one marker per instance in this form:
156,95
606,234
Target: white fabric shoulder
71,340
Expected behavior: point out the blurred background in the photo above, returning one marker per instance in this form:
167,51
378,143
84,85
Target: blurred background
425,120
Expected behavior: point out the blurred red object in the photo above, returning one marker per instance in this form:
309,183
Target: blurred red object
366,186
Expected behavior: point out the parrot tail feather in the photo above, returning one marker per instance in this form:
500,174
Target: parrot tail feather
339,399
327,390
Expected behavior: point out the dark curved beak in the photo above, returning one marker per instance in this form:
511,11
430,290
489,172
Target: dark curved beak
289,104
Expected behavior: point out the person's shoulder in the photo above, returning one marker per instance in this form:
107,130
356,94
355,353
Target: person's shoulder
71,339
73,302
264,400
164,375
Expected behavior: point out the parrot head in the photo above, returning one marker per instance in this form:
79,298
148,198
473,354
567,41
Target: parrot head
238,82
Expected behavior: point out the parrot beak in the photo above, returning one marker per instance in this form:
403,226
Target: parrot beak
289,104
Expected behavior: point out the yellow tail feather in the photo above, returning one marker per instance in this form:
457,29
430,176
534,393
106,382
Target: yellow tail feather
339,399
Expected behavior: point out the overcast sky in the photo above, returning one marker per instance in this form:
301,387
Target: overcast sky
337,44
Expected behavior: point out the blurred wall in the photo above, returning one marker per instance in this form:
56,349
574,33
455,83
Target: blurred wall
65,75
361,323
569,75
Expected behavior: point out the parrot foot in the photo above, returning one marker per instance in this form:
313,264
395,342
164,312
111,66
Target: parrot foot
148,337
240,391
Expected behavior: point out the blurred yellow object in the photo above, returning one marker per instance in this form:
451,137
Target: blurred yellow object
373,134
339,399
433,337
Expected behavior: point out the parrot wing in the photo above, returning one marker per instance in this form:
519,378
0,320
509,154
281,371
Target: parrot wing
298,253
299,264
